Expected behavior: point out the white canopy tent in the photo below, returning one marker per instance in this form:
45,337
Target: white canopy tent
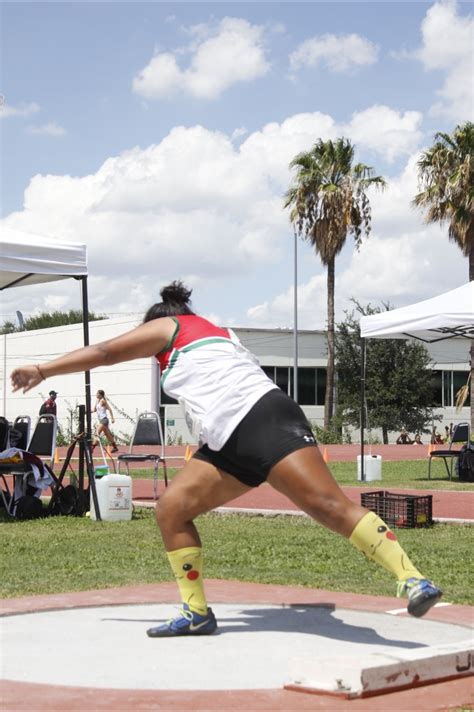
443,317
28,258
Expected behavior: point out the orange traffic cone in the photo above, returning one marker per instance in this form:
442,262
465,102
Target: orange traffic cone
430,449
56,456
188,454
325,455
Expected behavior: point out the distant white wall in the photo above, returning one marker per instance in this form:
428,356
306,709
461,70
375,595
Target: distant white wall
129,385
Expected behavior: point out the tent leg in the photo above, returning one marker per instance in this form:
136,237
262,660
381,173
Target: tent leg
87,374
362,408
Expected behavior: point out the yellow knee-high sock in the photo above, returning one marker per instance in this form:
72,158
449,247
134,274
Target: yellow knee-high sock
374,538
187,567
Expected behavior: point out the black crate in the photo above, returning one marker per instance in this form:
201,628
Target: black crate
406,511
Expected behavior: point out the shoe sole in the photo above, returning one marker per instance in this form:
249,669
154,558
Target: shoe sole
420,607
170,634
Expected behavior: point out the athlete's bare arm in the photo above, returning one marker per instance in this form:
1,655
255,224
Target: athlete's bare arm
146,340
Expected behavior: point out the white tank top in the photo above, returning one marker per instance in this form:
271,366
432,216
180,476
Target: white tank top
100,410
214,377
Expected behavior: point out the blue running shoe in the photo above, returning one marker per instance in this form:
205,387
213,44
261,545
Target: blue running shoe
422,595
188,623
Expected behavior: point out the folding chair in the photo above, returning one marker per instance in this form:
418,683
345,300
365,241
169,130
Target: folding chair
22,424
43,440
147,431
460,435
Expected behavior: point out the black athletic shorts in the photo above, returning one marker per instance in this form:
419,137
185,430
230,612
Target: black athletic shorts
272,429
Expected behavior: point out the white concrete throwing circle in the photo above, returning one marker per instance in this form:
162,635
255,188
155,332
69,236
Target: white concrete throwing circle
107,647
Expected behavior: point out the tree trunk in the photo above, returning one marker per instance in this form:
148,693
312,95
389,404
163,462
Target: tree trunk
471,388
470,237
385,434
471,278
329,397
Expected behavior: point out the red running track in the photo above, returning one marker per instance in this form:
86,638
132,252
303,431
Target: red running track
446,504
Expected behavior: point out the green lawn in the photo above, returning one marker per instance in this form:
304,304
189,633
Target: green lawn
411,474
61,554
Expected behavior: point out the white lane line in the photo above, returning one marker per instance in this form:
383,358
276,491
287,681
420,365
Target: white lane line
397,611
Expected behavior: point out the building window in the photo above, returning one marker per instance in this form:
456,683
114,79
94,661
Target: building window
311,382
282,379
437,386
460,380
445,386
321,386
307,386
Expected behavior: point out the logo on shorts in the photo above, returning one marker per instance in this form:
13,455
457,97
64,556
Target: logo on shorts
309,439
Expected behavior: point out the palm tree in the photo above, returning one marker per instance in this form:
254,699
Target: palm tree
446,178
328,200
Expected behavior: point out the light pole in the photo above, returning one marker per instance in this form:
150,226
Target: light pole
295,321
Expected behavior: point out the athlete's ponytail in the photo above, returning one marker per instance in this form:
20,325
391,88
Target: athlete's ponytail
176,301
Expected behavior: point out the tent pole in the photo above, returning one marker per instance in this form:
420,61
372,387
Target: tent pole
87,374
362,408
84,410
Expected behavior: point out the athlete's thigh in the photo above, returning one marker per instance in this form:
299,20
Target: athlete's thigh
200,487
304,477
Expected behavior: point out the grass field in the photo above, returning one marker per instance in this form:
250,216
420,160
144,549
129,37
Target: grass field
62,554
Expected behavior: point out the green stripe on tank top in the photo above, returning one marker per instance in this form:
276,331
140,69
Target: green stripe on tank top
190,347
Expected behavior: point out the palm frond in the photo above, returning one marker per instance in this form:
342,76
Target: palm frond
462,395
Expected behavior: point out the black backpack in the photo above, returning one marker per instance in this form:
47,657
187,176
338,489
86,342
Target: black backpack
465,464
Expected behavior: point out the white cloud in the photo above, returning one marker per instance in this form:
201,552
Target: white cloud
198,205
231,53
385,131
339,53
23,109
238,133
49,129
447,47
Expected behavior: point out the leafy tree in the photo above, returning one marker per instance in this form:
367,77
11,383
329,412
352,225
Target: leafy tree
446,177
399,389
328,201
45,320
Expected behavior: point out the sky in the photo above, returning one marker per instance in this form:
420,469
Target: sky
160,135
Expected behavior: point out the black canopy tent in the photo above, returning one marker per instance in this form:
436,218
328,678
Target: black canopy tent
28,258
442,317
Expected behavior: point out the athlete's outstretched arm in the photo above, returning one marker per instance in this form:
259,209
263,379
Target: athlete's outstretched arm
146,340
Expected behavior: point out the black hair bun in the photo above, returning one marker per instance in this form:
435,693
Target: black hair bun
176,293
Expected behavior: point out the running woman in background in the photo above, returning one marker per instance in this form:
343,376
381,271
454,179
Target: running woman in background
249,432
102,407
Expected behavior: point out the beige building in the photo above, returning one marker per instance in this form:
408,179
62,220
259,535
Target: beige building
131,389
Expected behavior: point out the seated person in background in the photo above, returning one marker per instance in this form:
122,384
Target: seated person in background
417,440
404,438
436,438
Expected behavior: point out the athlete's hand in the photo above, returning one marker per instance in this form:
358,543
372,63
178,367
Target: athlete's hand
26,378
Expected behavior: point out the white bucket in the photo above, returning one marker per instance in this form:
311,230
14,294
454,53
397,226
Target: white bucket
372,467
114,495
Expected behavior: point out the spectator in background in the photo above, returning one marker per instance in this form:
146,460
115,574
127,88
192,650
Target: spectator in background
417,440
102,408
436,438
404,438
49,406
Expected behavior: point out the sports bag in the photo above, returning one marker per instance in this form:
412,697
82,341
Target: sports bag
465,464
